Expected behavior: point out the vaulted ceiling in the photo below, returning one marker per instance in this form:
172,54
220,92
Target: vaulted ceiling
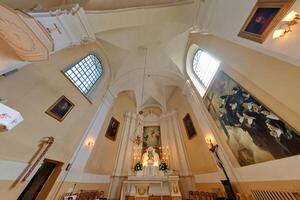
28,4
145,53
146,44
161,34
89,4
118,4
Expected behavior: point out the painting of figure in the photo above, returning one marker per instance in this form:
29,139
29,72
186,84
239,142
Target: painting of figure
189,126
253,132
151,136
112,129
60,109
263,19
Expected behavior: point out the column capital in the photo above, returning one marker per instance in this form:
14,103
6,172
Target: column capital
130,115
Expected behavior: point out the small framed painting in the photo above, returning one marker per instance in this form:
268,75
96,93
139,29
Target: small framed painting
189,126
60,109
263,18
112,129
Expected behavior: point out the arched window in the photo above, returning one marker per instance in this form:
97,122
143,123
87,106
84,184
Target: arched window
85,73
204,68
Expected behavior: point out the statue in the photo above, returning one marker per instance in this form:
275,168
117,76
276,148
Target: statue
150,157
151,162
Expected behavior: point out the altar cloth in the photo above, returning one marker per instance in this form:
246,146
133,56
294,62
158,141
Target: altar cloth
141,187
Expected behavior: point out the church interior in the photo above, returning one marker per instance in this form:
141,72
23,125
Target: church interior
149,99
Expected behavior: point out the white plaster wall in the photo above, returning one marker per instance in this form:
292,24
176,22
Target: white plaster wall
208,178
82,154
10,170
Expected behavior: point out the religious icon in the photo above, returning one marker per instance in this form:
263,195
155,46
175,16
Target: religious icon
112,129
189,126
60,109
151,136
263,19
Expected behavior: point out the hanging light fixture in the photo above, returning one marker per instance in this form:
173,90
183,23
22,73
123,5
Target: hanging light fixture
144,76
138,136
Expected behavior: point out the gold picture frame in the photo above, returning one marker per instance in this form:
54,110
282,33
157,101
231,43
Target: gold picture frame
112,129
263,18
60,109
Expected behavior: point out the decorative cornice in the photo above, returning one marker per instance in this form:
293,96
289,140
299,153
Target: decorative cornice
131,115
168,114
65,10
179,3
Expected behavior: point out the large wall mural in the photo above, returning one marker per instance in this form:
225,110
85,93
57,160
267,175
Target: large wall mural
253,132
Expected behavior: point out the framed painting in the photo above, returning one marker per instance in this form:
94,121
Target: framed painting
253,132
112,129
263,18
60,109
189,126
151,136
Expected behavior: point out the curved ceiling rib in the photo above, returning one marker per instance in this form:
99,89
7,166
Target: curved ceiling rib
121,4
126,36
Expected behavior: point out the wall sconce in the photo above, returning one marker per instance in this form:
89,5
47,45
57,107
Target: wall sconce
289,20
90,143
212,145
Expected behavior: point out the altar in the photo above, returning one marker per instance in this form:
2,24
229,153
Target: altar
151,179
144,187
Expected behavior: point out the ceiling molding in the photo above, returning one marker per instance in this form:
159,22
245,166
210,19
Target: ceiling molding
179,3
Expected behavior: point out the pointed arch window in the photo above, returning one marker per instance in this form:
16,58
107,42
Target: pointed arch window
204,68
85,73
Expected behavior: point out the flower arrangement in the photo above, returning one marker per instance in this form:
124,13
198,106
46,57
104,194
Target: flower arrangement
163,166
138,166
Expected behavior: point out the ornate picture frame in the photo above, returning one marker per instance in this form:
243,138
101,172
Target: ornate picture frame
112,129
263,18
189,126
60,109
